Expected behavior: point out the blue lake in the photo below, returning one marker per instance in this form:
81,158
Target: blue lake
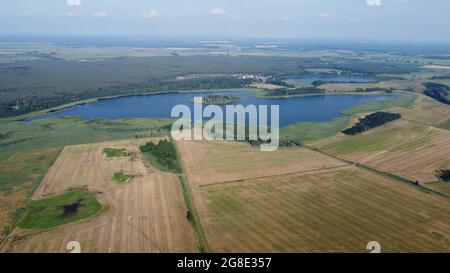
297,109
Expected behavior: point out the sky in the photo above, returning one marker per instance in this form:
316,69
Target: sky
402,20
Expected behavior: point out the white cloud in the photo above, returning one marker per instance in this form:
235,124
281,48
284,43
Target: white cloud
285,19
71,13
217,11
100,13
73,2
440,22
25,13
151,14
373,3
326,15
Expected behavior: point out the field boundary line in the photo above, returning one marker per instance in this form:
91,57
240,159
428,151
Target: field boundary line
384,173
424,133
194,217
29,199
244,180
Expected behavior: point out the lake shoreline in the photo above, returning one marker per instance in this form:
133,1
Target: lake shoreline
292,110
254,91
66,106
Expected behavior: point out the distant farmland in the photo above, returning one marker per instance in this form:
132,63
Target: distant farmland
338,210
310,204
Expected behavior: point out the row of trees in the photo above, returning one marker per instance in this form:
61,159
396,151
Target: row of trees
279,82
220,99
282,143
444,175
283,92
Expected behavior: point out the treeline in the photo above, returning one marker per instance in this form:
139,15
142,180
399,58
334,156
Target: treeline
371,121
437,91
284,92
220,99
165,154
34,103
285,142
282,142
320,82
374,89
443,175
5,136
441,77
278,81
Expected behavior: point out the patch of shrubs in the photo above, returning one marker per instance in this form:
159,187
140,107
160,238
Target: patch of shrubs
165,154
371,121
5,136
443,175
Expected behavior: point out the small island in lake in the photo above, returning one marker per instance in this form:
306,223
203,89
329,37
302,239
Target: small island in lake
220,99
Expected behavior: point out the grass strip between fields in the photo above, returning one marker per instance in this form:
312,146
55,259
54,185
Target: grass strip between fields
194,219
193,216
19,212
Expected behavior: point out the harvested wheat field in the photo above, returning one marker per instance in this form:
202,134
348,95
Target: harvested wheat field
405,148
338,210
440,186
145,214
426,110
220,161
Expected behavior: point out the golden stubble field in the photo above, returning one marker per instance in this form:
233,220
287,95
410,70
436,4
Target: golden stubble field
426,110
327,207
147,214
222,161
409,149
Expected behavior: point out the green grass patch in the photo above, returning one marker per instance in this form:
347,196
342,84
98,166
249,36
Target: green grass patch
5,136
401,99
193,216
438,235
6,231
308,131
6,190
26,166
382,138
112,152
121,177
59,210
445,125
